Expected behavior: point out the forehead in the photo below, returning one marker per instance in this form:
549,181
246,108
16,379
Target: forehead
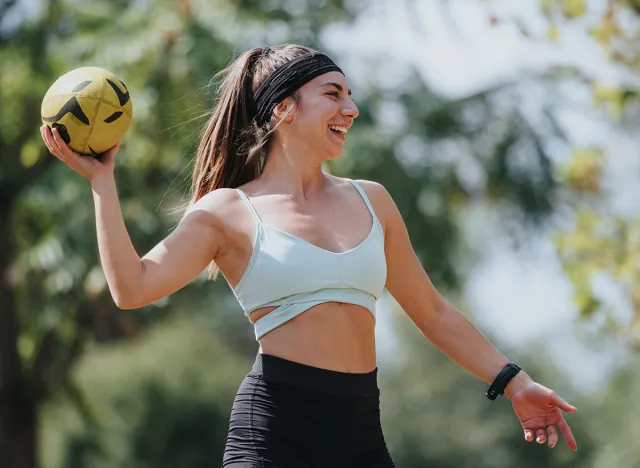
319,82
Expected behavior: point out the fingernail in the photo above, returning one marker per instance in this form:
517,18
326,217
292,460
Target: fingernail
551,445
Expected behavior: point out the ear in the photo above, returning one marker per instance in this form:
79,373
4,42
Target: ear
285,108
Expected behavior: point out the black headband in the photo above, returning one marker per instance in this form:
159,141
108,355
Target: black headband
286,79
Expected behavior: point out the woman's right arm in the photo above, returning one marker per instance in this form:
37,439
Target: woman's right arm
170,265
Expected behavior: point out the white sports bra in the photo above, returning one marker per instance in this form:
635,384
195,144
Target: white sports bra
295,275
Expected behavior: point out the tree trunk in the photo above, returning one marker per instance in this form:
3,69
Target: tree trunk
20,440
18,432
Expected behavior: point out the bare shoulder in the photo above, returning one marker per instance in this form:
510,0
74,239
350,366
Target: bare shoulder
379,197
374,190
216,208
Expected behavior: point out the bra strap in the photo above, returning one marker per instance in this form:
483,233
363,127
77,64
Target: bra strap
246,201
364,198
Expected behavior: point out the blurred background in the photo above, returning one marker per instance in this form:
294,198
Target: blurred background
505,131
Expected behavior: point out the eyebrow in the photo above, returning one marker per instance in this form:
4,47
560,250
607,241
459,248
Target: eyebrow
339,86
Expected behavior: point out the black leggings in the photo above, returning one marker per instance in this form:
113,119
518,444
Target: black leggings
289,415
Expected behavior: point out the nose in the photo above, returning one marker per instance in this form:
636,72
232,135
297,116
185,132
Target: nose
350,109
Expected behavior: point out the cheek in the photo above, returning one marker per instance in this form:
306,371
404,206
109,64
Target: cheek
312,125
314,117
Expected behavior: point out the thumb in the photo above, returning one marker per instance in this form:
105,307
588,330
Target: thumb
563,405
110,154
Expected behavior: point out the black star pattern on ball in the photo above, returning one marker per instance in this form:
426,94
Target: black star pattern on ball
72,106
123,98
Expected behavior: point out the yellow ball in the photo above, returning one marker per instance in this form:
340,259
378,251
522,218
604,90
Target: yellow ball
90,107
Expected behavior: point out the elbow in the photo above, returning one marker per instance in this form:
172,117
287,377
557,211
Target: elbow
126,296
126,303
430,318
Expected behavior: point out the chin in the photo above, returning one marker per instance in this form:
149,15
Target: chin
334,154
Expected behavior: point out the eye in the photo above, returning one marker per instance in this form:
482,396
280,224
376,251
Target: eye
334,93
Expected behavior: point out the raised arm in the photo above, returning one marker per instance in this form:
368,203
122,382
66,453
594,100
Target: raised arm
537,407
170,265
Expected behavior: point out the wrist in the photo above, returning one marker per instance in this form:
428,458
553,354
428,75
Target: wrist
521,380
100,181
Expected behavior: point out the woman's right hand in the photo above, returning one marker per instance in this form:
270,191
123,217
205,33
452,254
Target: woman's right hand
87,166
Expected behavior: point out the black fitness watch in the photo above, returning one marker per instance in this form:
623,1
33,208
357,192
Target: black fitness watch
507,373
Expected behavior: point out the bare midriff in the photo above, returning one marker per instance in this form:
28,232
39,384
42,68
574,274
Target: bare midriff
333,335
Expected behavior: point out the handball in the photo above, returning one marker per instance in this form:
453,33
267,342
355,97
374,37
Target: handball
91,109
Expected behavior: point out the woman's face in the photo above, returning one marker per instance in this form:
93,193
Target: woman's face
324,114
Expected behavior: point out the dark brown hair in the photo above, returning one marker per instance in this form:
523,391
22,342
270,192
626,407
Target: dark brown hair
233,148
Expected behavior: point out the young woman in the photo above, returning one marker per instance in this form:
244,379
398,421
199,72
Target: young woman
307,254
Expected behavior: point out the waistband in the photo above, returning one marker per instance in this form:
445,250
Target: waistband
278,370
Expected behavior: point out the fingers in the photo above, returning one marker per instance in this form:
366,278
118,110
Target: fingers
528,435
59,148
550,433
49,137
542,435
67,153
110,154
563,405
48,141
553,436
567,434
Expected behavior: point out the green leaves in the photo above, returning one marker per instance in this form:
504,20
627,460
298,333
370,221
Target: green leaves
605,246
568,8
585,170
601,243
574,8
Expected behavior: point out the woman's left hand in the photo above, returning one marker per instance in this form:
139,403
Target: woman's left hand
538,409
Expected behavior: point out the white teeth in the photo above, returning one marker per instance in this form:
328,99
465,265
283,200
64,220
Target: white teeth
340,129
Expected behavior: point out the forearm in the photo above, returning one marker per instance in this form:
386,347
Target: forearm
120,261
463,343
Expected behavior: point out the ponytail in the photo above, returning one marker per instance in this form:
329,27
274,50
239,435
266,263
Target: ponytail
219,162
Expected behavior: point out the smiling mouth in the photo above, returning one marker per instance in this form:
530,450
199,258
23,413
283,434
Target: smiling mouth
340,134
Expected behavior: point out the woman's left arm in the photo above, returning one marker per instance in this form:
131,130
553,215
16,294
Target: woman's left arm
537,407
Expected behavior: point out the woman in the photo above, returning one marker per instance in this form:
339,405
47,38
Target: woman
307,254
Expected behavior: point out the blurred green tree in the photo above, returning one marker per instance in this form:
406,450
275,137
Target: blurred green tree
601,242
162,400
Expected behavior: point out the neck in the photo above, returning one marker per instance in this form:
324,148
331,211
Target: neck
294,169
